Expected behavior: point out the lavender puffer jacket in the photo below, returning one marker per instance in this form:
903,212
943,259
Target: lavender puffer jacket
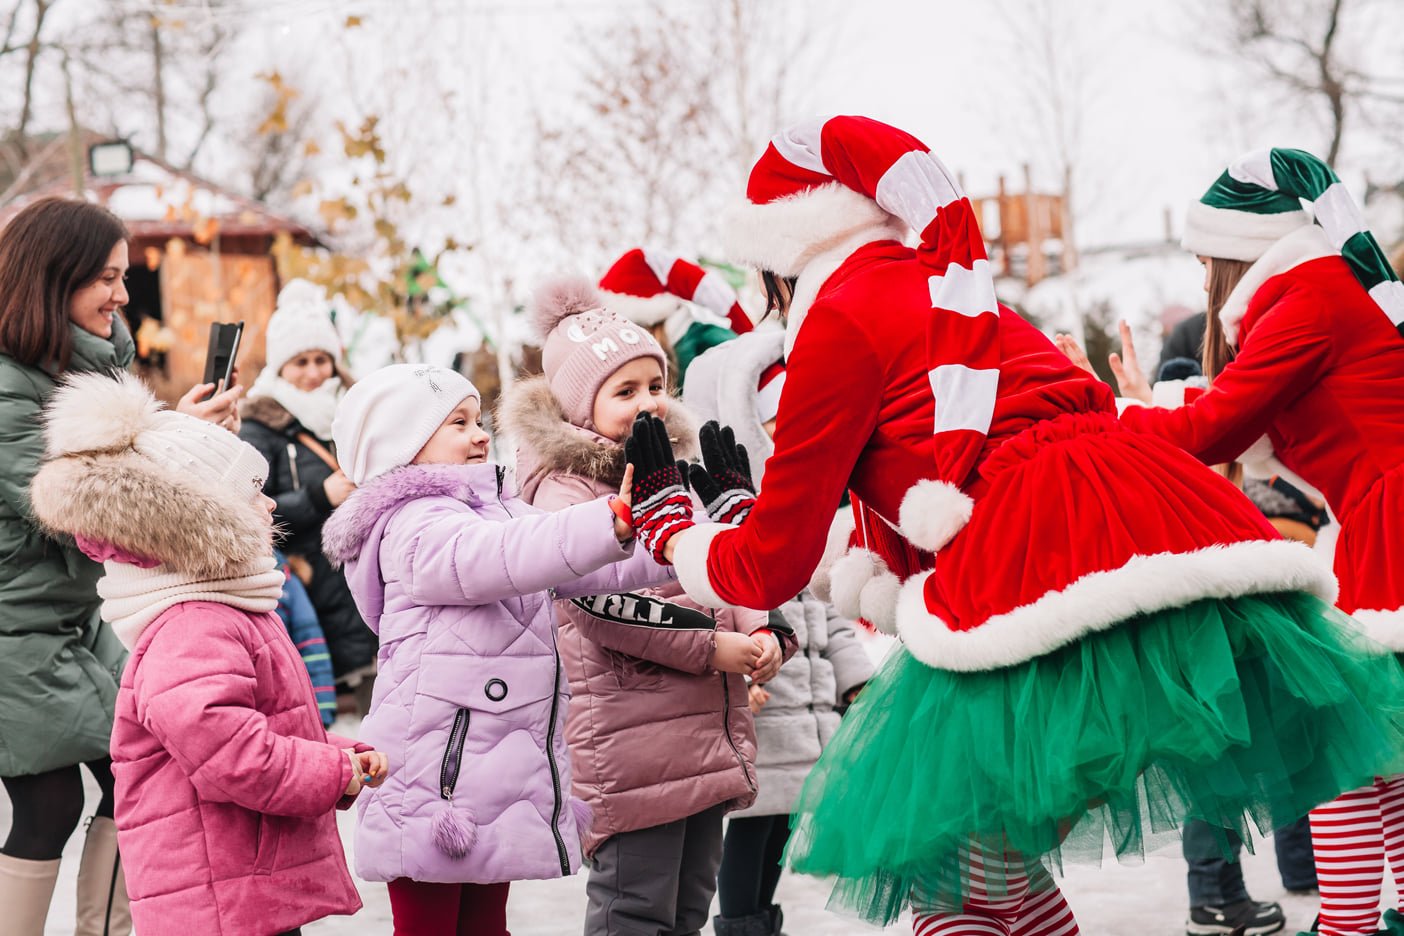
456,577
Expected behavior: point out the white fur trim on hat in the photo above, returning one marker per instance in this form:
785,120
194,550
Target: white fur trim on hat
782,235
1385,628
690,550
385,419
933,512
1236,235
646,311
1102,600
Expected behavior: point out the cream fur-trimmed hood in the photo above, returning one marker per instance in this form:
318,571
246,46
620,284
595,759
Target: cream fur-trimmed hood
100,486
549,444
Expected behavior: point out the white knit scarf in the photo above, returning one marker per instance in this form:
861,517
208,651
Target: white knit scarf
133,597
315,409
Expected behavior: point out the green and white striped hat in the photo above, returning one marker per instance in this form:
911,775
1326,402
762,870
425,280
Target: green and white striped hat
1258,201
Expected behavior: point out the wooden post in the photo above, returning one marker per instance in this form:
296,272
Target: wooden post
1035,269
1003,235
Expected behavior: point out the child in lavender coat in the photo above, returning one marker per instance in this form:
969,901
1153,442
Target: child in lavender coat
456,576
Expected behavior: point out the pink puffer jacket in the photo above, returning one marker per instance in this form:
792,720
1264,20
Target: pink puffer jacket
637,688
226,781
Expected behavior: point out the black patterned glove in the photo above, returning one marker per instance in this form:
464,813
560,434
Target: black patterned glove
724,484
662,508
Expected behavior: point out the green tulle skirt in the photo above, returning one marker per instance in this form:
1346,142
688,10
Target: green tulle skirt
1240,712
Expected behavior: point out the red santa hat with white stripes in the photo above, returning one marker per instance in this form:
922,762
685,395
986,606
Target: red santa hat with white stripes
645,286
828,180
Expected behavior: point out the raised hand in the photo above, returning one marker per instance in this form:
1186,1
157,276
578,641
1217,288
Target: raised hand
723,481
661,508
1126,367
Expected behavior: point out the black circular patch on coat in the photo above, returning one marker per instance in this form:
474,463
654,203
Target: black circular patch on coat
496,690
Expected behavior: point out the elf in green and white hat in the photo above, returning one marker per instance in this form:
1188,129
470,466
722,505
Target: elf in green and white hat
1305,345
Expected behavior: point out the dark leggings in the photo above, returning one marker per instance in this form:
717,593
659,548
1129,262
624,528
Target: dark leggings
750,867
46,807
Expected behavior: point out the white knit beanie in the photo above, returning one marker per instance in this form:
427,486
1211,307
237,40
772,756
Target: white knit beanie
301,322
386,418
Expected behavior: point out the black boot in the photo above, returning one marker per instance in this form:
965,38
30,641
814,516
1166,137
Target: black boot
777,920
756,924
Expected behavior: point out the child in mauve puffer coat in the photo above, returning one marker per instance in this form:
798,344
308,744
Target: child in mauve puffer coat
645,670
456,576
226,781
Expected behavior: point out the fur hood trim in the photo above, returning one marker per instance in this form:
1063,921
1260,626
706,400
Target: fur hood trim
1302,245
99,485
548,443
350,525
125,500
267,411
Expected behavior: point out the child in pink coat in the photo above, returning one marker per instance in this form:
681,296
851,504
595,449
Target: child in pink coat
645,669
226,781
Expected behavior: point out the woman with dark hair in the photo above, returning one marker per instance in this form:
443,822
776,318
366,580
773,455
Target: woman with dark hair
62,266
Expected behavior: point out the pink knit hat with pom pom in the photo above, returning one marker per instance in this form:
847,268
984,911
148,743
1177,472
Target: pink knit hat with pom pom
585,343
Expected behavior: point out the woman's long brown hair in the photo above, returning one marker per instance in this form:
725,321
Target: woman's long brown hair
1223,276
48,252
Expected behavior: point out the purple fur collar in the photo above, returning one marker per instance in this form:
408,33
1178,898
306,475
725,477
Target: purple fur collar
346,529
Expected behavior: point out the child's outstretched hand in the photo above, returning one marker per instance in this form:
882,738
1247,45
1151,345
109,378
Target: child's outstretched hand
768,664
736,653
620,505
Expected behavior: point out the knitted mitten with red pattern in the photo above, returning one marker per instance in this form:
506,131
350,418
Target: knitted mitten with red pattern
661,506
725,484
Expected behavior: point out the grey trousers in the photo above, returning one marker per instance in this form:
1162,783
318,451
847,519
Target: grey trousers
657,881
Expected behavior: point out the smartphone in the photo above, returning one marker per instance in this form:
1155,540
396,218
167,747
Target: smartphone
222,352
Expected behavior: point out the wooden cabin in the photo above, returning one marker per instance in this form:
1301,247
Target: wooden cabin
200,253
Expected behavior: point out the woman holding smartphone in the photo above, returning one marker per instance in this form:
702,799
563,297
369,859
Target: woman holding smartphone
62,266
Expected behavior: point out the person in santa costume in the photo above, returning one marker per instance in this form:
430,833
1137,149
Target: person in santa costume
1100,636
1304,348
687,308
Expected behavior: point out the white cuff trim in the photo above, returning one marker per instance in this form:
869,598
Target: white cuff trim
690,550
1102,600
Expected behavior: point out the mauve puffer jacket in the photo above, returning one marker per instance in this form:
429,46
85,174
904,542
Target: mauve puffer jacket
456,576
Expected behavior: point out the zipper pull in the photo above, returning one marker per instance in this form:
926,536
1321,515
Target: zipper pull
448,793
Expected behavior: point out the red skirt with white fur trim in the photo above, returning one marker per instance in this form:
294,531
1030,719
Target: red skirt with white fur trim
1083,525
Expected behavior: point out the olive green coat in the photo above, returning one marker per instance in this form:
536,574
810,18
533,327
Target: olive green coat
59,663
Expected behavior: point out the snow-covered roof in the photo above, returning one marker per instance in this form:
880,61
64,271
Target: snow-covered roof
158,201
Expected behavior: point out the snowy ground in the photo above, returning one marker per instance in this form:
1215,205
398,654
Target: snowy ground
1147,900
1143,900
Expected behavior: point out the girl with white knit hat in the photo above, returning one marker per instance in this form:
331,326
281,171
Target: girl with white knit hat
288,418
1305,353
456,575
226,780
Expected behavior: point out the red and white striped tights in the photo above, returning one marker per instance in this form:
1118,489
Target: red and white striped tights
1029,905
1352,837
